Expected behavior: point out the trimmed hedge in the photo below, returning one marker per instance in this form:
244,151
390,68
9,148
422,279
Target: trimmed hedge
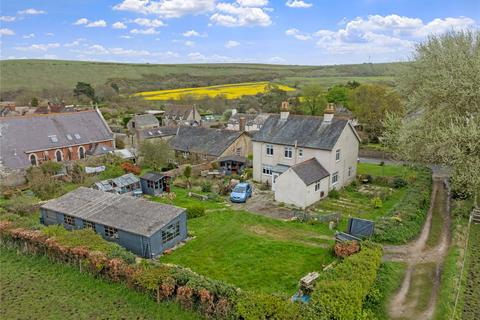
339,292
406,218
195,211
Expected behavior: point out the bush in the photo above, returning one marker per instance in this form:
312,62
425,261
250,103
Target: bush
334,194
117,252
254,306
119,143
50,167
22,204
376,202
187,172
195,211
399,182
340,291
131,168
206,186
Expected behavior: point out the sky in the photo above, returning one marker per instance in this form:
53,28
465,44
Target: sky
301,32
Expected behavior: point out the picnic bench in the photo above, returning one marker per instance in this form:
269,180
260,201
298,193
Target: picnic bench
198,196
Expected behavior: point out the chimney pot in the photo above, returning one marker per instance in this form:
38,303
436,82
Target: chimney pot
329,113
284,113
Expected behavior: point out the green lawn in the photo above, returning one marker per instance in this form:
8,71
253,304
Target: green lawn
32,287
254,252
183,200
437,218
389,170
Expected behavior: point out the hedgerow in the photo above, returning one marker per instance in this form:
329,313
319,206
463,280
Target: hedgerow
340,291
406,218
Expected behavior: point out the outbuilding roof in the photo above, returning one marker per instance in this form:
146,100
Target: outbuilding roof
134,215
178,112
207,141
152,176
23,134
158,132
117,183
251,118
302,131
143,120
310,171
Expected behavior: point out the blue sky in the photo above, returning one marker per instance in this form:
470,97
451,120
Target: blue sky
313,32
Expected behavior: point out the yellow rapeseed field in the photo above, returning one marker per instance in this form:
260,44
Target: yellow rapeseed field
229,91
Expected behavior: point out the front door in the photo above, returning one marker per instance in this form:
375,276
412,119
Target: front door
274,179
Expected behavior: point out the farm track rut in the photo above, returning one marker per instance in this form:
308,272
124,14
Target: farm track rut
418,253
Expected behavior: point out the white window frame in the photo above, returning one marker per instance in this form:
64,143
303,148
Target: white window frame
268,148
266,170
286,151
317,186
185,155
335,178
337,155
300,153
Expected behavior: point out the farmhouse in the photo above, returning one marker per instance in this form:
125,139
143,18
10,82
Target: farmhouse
126,184
178,115
33,139
144,227
246,121
196,144
303,157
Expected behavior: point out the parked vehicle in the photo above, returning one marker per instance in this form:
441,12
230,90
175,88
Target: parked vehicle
241,192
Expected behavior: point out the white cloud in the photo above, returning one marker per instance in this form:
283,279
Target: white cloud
7,18
81,21
231,44
6,32
439,26
74,43
39,47
50,56
31,11
297,34
49,34
191,33
167,8
119,25
28,36
99,50
234,15
252,3
155,23
97,24
125,36
277,60
298,4
144,31
189,43
198,57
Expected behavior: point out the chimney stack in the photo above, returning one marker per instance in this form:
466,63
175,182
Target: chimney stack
329,113
284,113
242,123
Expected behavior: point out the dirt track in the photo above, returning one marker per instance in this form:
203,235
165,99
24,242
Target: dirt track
404,305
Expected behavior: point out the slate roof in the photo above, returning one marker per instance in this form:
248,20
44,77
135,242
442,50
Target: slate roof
143,120
158,132
303,131
251,118
310,171
100,149
233,158
178,111
152,176
22,134
207,141
135,215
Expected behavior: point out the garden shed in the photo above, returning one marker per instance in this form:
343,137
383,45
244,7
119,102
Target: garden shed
144,227
126,184
154,183
232,164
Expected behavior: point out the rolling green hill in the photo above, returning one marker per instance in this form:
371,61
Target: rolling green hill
61,75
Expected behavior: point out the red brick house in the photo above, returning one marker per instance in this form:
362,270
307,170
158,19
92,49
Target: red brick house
31,140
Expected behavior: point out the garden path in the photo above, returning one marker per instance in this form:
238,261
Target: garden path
416,255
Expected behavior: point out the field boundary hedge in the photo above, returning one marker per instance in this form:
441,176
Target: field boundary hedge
211,298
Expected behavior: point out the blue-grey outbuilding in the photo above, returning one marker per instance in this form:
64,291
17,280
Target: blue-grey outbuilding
155,183
144,227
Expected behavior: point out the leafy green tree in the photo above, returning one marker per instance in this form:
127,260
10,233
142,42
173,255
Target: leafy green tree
314,99
442,90
353,84
34,102
339,95
84,89
272,99
371,103
155,154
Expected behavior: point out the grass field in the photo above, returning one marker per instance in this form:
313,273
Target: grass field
390,170
254,252
229,91
32,287
62,74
